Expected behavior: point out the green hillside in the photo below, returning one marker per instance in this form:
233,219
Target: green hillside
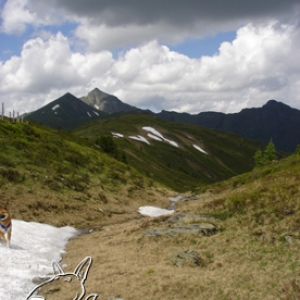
181,168
55,177
46,172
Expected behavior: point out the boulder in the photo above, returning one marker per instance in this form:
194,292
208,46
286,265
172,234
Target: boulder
205,229
188,257
191,218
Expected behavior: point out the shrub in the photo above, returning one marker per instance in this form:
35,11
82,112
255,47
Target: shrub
108,146
12,175
266,157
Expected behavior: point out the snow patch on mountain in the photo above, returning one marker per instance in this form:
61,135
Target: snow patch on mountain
55,107
172,143
159,135
153,134
139,138
154,137
116,134
153,131
200,149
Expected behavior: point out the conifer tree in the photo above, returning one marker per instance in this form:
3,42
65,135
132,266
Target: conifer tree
258,158
266,157
270,152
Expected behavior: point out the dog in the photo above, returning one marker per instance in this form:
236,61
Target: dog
5,226
62,284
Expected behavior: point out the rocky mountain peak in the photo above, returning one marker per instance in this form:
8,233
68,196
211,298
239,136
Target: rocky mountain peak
105,102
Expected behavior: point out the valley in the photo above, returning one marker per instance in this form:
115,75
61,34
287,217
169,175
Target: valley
230,231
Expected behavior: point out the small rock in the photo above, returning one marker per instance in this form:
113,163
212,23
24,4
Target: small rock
288,238
200,228
172,206
186,257
191,198
191,218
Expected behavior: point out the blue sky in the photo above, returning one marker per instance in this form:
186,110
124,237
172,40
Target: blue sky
187,56
206,46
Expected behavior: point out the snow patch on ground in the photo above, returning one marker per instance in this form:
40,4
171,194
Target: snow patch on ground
89,114
152,211
154,131
115,134
95,113
175,199
200,149
159,135
139,138
55,107
152,136
33,247
172,143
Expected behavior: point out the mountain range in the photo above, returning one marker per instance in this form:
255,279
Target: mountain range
106,103
274,120
65,112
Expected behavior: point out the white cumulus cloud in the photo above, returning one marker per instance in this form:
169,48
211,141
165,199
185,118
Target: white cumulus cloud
259,65
16,17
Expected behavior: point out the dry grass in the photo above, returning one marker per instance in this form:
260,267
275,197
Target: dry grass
93,208
254,256
236,265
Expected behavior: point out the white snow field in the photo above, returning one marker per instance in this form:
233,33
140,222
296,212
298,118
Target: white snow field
55,107
33,247
159,135
139,138
116,134
152,136
155,135
200,149
152,211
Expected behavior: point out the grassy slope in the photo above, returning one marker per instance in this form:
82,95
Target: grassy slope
53,177
182,168
56,178
250,258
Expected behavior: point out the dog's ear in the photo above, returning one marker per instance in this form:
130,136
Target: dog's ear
81,271
57,270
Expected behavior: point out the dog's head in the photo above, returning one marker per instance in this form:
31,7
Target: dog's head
69,286
4,214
